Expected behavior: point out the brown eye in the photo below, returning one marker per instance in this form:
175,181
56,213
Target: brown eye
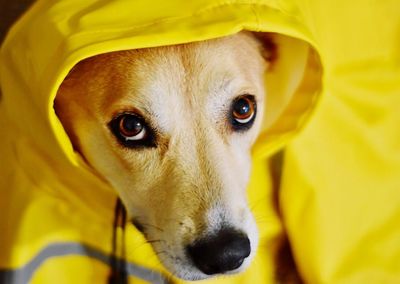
132,131
131,127
243,111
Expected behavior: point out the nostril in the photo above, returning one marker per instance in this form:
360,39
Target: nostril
220,253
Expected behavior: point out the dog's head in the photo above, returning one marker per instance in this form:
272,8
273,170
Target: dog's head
171,129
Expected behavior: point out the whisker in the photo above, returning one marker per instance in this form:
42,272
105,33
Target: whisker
260,201
154,241
160,252
137,218
152,226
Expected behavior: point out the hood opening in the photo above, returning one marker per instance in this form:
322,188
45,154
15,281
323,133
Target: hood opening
293,83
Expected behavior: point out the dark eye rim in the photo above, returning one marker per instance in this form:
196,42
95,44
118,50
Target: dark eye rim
149,141
238,126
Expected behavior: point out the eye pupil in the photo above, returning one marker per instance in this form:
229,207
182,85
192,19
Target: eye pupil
132,131
242,108
243,112
130,125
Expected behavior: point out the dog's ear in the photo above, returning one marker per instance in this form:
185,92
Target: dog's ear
288,63
268,47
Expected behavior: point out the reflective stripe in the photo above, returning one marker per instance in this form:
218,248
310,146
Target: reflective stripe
24,274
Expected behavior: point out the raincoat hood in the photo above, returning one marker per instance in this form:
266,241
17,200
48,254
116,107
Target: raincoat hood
58,213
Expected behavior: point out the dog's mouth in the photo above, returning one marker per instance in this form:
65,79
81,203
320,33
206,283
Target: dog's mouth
228,250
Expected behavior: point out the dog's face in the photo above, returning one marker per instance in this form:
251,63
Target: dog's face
171,129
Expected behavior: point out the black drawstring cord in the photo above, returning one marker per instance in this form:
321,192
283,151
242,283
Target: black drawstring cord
118,273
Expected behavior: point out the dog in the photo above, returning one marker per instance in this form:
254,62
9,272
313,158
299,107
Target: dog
171,129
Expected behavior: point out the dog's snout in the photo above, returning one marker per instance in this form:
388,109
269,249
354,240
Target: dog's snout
220,253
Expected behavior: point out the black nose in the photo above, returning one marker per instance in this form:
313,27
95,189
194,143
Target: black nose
220,253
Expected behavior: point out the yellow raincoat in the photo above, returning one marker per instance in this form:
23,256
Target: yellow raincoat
340,186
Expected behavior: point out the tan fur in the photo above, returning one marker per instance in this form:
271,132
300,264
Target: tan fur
195,180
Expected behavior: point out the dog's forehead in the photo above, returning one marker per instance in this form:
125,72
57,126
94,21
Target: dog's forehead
169,84
177,83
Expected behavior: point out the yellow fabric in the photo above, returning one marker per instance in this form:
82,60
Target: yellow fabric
340,192
341,184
